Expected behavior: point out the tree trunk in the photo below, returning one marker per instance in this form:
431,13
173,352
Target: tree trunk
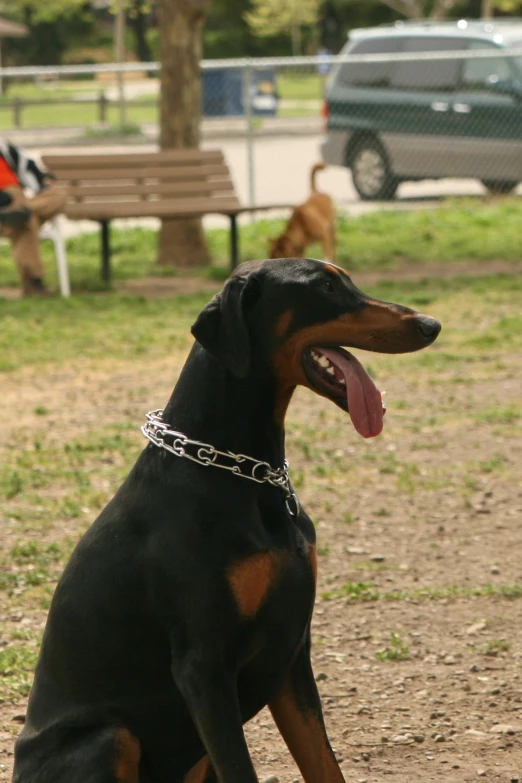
296,39
486,11
138,20
181,242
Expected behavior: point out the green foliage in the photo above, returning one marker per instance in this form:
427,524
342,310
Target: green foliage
16,669
36,11
494,646
507,6
397,651
54,26
270,17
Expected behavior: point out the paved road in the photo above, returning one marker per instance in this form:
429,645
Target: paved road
282,170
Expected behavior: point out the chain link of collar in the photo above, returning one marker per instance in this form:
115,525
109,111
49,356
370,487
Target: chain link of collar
158,432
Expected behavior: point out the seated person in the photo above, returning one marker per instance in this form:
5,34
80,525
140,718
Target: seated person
21,217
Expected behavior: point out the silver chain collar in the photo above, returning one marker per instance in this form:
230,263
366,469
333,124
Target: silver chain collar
156,430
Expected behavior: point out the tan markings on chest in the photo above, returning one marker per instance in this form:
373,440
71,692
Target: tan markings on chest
199,772
251,580
128,754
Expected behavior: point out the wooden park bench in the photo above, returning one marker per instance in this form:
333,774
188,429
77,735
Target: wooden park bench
169,184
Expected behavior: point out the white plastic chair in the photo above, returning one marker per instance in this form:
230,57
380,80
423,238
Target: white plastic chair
52,230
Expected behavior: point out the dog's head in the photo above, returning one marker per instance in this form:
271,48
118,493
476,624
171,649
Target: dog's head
289,320
281,247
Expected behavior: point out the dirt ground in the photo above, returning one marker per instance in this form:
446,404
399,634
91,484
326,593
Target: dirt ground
423,681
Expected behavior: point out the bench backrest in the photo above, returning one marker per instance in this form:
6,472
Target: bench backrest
147,176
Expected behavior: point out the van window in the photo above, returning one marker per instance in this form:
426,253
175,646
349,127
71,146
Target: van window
371,74
438,75
481,74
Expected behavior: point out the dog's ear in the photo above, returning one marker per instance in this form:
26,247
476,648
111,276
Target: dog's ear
221,327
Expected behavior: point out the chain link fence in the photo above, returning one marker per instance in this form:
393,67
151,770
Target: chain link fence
424,108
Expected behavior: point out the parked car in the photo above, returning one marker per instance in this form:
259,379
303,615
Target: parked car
391,121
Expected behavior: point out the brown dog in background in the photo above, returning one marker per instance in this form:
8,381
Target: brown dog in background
313,221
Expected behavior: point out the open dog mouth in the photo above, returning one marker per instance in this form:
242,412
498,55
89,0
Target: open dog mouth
335,373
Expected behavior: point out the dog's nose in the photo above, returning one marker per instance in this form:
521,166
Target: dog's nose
428,327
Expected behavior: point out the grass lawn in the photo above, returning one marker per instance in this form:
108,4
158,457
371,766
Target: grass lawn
457,231
72,114
301,84
294,86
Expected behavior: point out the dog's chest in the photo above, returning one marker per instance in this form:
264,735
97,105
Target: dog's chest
274,593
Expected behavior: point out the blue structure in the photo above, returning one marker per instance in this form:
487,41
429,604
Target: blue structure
223,93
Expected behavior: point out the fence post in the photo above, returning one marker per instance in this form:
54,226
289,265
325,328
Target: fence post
17,110
247,101
102,106
119,44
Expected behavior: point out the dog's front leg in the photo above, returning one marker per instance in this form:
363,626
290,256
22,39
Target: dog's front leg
297,712
210,692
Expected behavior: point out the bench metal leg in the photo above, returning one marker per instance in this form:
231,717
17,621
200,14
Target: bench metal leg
106,251
234,242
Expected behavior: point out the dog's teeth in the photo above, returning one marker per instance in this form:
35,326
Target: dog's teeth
330,370
315,355
323,361
383,395
341,380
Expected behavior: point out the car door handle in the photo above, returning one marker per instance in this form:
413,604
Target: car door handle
462,108
440,106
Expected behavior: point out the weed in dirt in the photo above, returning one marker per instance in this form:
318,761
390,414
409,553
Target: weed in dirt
493,464
397,651
362,591
17,663
353,591
498,415
389,464
406,478
370,565
493,647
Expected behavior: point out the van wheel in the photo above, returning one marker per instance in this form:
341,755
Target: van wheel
499,186
371,172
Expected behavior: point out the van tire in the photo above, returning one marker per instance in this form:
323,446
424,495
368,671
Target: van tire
371,172
499,187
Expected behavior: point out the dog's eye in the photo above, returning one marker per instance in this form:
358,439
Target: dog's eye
327,286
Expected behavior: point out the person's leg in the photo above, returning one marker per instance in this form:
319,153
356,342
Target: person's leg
49,202
26,246
13,213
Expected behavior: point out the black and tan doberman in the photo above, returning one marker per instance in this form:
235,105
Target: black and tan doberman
186,607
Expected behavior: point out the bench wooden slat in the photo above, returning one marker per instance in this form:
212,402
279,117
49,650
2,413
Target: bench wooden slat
201,188
168,208
137,160
161,172
169,184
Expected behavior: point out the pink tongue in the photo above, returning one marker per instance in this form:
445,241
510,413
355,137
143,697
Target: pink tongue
362,395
